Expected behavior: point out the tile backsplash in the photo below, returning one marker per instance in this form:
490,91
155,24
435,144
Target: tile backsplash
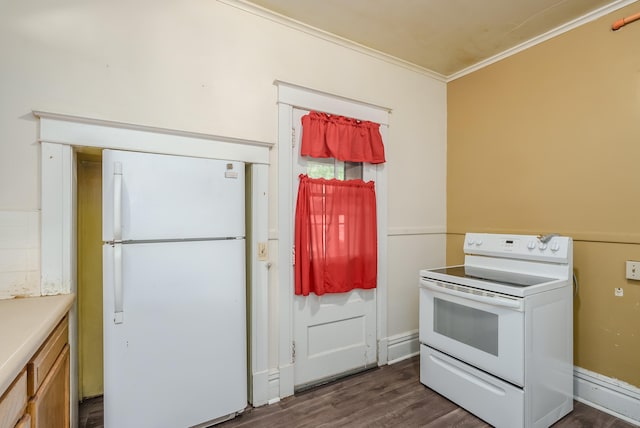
19,253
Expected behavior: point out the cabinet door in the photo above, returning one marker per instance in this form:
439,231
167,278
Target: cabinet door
25,422
49,408
13,401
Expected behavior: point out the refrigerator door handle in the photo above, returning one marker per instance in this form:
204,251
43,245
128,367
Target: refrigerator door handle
118,315
117,201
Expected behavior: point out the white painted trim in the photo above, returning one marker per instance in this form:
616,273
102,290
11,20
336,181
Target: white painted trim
382,201
259,285
274,386
285,257
89,132
332,38
60,134
612,396
403,346
311,99
428,230
585,19
56,219
290,96
324,35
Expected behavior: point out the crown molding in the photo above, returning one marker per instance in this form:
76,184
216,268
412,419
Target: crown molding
591,16
332,38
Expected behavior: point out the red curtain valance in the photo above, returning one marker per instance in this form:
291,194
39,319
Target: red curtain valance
336,241
342,138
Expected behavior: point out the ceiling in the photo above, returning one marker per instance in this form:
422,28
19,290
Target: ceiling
444,36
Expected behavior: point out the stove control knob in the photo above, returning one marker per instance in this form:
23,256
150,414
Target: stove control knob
542,246
531,245
555,247
470,241
478,242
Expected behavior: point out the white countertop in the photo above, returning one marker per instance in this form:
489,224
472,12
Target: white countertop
25,323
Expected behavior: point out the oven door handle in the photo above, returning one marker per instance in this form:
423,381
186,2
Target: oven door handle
493,300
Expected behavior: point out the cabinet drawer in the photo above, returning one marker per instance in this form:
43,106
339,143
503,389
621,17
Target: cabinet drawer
12,403
46,356
49,408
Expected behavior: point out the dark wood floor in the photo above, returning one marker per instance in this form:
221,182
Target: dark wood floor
390,396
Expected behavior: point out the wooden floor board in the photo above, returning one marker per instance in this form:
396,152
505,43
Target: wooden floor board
390,396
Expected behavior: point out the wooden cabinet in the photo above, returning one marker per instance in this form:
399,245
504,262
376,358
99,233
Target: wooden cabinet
25,422
39,396
48,381
13,402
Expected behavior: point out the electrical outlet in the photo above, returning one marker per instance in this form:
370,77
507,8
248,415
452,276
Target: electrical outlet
633,270
618,292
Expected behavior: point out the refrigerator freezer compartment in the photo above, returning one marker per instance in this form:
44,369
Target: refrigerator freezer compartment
163,197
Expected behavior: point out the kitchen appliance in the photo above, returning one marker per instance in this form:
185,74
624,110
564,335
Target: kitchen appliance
496,334
173,289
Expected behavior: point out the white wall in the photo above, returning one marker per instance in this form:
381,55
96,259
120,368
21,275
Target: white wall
205,66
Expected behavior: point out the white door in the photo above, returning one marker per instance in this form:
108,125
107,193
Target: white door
333,334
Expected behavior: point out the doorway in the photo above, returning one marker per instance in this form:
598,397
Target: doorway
63,137
89,274
333,334
292,97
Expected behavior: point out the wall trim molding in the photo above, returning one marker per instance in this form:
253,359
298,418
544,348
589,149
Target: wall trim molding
69,130
418,230
610,395
402,346
349,44
329,37
273,380
585,19
578,236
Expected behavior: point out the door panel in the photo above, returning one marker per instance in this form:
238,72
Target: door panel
333,334
173,197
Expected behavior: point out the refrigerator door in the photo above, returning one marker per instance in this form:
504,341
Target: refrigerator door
161,197
178,359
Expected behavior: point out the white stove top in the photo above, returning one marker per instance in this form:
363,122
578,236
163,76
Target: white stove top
515,265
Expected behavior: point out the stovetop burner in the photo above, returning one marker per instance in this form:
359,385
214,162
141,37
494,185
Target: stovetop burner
495,276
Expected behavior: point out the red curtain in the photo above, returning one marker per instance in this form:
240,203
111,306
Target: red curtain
342,138
336,241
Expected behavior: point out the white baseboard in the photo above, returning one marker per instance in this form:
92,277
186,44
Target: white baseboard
403,346
260,388
610,395
274,386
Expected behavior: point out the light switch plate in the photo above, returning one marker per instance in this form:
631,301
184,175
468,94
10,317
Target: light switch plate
262,251
633,270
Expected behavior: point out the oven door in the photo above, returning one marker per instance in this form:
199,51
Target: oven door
484,330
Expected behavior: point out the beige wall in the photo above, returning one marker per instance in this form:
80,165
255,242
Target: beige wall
546,141
204,66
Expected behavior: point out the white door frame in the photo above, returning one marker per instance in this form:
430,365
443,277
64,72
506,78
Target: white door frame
61,134
290,96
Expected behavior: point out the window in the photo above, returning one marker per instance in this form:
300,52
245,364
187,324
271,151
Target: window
329,168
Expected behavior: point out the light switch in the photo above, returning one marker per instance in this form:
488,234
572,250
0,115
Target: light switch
262,251
633,270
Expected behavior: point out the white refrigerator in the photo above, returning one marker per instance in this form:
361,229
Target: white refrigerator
173,289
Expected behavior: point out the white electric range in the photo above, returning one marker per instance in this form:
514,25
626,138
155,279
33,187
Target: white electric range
496,333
